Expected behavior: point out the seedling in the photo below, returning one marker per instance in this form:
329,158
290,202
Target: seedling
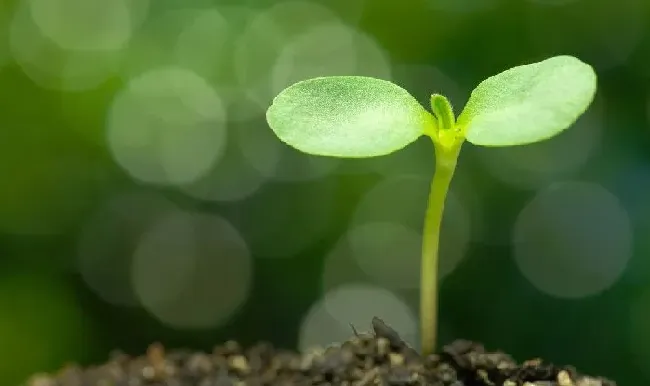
358,117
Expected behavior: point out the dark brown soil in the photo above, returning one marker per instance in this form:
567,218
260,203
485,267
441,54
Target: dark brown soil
379,358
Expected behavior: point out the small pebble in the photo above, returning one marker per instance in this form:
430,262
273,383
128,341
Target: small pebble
563,379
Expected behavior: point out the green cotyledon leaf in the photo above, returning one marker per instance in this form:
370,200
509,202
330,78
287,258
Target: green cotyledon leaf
528,103
347,116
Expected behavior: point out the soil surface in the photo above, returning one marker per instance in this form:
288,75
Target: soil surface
378,358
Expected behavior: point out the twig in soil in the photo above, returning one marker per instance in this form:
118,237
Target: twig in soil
354,330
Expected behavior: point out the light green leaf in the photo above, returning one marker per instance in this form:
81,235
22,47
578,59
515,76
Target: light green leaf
529,103
347,116
443,111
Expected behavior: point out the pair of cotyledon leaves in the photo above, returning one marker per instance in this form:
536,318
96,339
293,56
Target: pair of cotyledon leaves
356,116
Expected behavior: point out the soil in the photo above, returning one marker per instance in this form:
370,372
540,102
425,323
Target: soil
377,358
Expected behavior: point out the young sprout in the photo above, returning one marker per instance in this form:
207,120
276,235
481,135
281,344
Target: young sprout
357,117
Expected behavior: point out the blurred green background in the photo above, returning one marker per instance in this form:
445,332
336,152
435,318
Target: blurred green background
143,197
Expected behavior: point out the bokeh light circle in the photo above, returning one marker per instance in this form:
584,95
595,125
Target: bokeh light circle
168,126
340,267
388,252
329,319
192,270
328,49
263,39
88,25
572,240
157,41
232,178
196,37
202,42
108,241
51,66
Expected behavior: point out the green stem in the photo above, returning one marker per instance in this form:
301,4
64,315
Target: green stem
446,158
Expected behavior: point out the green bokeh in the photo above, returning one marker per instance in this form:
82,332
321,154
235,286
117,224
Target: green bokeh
57,171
